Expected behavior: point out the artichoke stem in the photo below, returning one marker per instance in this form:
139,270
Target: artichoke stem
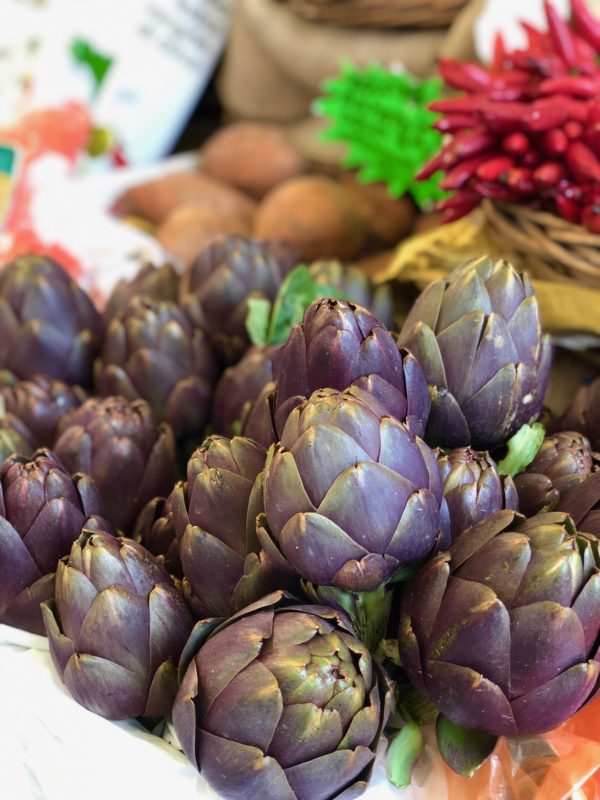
370,614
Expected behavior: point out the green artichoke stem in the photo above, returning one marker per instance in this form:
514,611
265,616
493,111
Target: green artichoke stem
370,613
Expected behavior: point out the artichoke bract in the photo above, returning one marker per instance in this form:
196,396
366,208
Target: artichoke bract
41,403
154,529
582,502
339,345
501,633
116,628
214,515
352,283
473,487
563,461
152,282
216,288
48,323
152,351
478,337
351,497
42,512
584,414
282,702
118,444
238,389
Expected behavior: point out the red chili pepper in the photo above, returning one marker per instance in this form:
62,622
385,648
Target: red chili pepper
521,180
587,25
515,144
496,191
582,162
459,205
459,175
458,105
504,117
471,143
555,142
544,115
549,173
493,168
531,159
455,122
537,41
568,209
591,218
573,129
574,85
591,137
561,36
499,56
464,75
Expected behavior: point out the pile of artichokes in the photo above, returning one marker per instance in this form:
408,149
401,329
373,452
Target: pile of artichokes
267,544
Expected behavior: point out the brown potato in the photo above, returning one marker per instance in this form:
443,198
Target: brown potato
189,229
388,219
156,199
314,214
252,156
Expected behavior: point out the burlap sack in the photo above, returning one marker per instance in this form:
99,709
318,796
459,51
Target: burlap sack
275,62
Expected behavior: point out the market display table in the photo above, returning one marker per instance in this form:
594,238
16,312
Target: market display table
51,748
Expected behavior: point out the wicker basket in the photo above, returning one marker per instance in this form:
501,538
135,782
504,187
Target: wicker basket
380,13
552,248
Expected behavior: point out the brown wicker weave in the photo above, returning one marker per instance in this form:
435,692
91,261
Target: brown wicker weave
552,248
380,13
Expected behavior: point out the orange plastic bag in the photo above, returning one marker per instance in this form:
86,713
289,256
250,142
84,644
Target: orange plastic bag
561,764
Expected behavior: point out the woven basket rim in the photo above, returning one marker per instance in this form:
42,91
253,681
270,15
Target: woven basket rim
379,13
553,248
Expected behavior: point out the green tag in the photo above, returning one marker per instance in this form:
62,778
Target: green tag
382,117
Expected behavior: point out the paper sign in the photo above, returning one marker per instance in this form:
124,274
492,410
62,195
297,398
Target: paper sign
140,66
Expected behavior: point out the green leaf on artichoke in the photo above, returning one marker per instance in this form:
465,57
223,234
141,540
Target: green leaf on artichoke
382,116
297,292
271,324
404,751
463,750
522,449
257,320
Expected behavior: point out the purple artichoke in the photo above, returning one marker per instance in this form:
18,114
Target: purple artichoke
42,512
130,458
216,288
473,487
152,351
478,337
563,461
214,515
502,632
154,529
48,323
584,414
350,495
41,403
116,628
352,284
339,345
582,502
15,437
283,702
259,422
239,388
151,282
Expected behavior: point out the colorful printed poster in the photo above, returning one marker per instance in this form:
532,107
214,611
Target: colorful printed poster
140,66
